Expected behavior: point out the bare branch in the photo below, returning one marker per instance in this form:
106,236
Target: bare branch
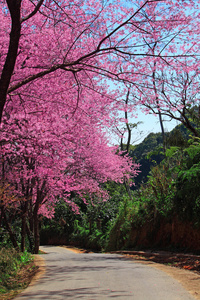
36,9
124,23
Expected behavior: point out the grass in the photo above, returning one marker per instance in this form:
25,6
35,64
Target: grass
16,272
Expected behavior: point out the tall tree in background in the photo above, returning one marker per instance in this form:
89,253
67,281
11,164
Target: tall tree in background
179,97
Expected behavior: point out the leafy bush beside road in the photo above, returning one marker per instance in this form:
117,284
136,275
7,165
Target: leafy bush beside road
15,270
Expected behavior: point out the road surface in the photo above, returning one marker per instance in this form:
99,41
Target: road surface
90,276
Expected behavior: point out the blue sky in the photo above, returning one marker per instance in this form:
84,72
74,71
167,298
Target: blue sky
150,124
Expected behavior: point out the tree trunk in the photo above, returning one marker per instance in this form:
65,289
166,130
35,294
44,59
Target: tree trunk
23,233
127,125
128,190
36,234
158,105
14,7
185,121
24,207
162,129
8,227
30,237
1,217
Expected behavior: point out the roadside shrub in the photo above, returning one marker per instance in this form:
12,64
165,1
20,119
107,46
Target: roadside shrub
187,200
11,262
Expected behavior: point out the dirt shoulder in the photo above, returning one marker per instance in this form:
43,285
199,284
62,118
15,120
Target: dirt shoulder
40,264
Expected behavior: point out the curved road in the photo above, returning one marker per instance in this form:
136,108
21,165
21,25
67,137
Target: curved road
90,276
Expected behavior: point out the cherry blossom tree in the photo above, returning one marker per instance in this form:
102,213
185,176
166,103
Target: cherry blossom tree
54,37
42,39
52,152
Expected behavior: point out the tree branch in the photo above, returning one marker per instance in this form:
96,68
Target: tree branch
36,9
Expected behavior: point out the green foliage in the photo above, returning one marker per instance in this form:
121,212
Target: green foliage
147,154
193,151
187,200
89,228
92,229
80,235
160,189
160,197
10,263
15,224
175,182
58,230
132,213
170,152
193,114
157,151
178,137
87,237
4,238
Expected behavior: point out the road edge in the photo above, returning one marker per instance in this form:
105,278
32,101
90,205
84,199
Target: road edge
40,263
188,279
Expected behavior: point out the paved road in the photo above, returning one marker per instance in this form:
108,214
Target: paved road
90,276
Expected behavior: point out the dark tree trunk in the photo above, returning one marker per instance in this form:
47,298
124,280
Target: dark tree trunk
36,228
36,234
158,105
23,233
127,125
11,233
14,7
30,237
127,186
188,125
23,228
1,218
162,129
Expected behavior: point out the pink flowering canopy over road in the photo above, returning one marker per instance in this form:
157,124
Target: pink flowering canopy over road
57,62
